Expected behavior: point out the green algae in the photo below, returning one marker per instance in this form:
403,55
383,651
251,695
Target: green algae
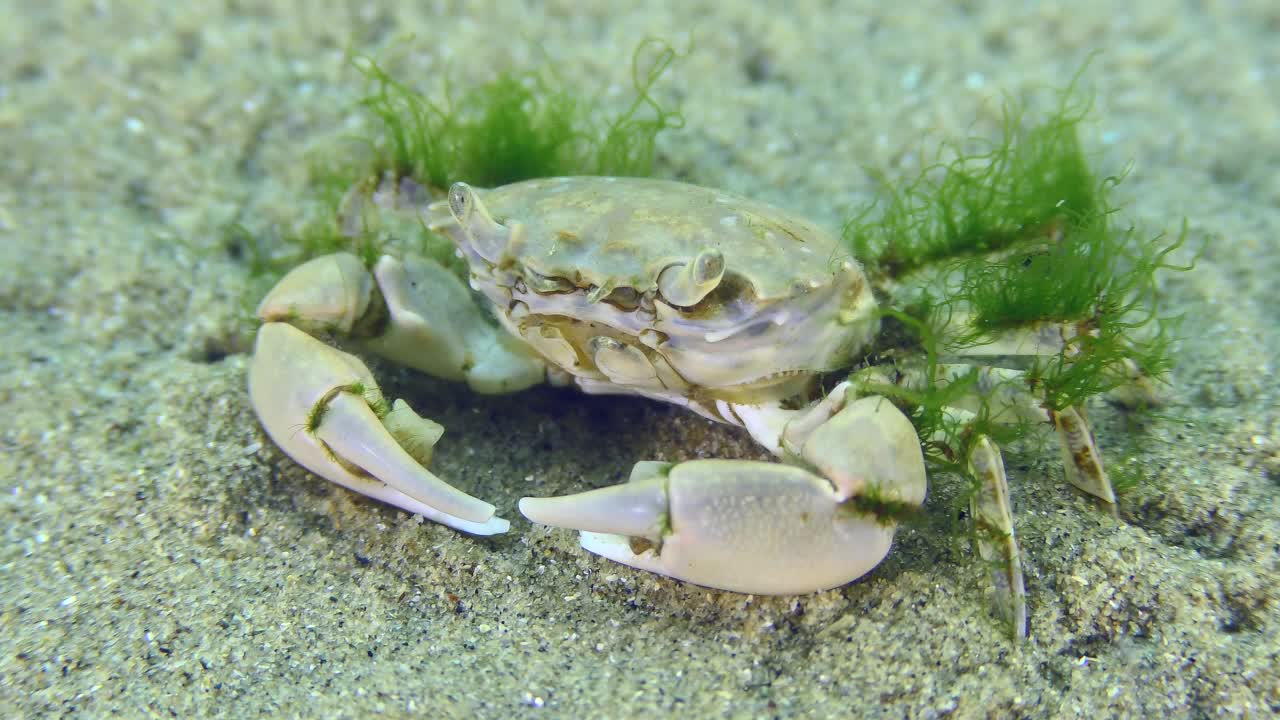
1015,235
1028,180
998,244
517,126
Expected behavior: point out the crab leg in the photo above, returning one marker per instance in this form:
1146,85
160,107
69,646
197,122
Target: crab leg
759,527
1037,340
1080,456
1003,392
745,526
322,406
997,543
318,404
1049,339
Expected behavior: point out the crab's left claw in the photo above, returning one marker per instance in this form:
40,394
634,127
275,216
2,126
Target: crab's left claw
322,407
758,527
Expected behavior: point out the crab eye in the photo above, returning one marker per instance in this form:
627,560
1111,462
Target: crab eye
460,200
686,284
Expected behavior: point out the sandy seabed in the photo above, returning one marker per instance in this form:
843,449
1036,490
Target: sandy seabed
161,558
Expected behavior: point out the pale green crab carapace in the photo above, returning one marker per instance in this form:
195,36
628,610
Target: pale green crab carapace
701,298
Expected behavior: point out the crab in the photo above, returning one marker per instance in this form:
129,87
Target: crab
725,306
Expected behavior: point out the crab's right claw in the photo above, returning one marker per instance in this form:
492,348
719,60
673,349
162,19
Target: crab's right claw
758,527
317,403
745,526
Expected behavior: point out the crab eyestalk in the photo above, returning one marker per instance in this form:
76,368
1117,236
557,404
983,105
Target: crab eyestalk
487,237
686,284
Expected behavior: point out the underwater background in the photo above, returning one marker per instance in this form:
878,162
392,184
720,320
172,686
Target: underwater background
161,557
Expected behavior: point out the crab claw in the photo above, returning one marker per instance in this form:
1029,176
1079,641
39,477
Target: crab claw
315,403
757,527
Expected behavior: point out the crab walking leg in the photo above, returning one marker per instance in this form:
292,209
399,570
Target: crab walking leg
992,515
1010,401
997,543
1047,339
1005,395
1002,391
1080,454
1036,340
1140,390
314,402
758,527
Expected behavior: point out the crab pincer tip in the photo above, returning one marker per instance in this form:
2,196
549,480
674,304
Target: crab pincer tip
635,509
354,432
